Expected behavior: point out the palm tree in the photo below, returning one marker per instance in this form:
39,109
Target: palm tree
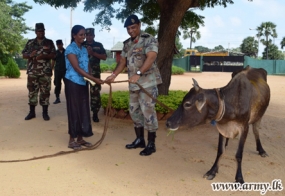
193,34
282,43
266,29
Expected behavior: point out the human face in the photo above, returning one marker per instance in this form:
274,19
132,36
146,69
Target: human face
60,46
79,37
134,30
40,34
90,37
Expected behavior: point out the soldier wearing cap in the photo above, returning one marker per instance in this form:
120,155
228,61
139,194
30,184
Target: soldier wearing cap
96,52
39,51
58,63
139,54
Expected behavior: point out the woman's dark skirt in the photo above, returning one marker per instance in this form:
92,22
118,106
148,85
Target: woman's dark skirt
78,109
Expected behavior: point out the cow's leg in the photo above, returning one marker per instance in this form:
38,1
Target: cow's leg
239,177
210,175
255,127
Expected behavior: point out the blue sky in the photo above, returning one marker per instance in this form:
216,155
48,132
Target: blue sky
223,26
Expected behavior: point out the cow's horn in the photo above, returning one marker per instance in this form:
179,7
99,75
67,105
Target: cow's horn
196,86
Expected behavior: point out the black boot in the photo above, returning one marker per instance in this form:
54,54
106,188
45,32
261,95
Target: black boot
95,117
32,113
150,148
139,141
45,112
57,100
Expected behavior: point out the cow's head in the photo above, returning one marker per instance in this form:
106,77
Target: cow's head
192,111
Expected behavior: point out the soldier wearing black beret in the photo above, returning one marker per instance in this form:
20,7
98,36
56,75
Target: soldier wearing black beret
139,54
58,63
96,53
39,51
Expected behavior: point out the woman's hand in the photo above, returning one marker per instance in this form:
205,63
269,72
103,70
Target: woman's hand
98,81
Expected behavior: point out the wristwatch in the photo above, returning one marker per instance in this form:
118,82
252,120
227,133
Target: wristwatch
139,73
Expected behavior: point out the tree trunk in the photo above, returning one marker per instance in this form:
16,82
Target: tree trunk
171,15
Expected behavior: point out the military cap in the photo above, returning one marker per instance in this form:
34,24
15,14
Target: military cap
132,19
58,42
90,31
40,26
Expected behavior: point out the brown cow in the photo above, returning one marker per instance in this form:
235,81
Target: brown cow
243,101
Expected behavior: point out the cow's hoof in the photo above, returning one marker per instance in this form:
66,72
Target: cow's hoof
209,176
263,154
240,180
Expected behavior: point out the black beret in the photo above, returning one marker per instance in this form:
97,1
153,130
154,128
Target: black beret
132,19
40,26
90,31
59,41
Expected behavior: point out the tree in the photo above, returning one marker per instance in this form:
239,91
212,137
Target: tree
282,43
193,34
272,53
12,69
171,14
219,48
202,49
249,46
267,30
12,26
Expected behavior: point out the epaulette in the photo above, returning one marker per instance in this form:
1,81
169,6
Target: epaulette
145,35
126,40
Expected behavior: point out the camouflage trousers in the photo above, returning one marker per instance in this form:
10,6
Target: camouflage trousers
38,83
142,109
95,102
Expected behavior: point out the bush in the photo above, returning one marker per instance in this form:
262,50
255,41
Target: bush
120,100
113,66
177,70
12,69
104,67
2,69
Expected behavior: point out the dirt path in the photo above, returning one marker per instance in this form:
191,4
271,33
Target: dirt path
176,169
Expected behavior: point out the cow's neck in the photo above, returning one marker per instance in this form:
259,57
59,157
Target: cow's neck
221,110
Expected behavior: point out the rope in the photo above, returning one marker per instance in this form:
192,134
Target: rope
99,142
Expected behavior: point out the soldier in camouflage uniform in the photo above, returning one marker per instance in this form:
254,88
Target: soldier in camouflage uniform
96,52
139,54
39,52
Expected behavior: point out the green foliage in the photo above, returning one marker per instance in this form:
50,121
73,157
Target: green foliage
273,53
2,69
120,100
12,26
177,70
113,66
104,67
249,46
12,69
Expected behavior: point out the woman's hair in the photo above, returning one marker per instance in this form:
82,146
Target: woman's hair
75,29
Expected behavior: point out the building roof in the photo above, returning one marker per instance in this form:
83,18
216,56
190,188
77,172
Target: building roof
117,47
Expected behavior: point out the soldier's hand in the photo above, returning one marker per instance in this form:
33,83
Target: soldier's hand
110,79
33,54
134,79
89,50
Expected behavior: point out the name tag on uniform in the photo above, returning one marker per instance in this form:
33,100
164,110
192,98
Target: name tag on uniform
96,48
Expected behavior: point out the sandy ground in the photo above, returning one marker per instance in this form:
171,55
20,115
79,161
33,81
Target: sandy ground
176,169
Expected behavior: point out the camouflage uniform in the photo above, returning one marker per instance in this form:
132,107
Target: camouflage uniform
94,62
39,71
142,106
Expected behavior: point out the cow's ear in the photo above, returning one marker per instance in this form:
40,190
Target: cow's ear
196,86
200,103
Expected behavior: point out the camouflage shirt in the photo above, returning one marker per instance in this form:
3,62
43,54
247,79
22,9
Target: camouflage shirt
94,61
43,66
135,52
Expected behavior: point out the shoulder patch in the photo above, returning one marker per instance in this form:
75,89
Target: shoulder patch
145,35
